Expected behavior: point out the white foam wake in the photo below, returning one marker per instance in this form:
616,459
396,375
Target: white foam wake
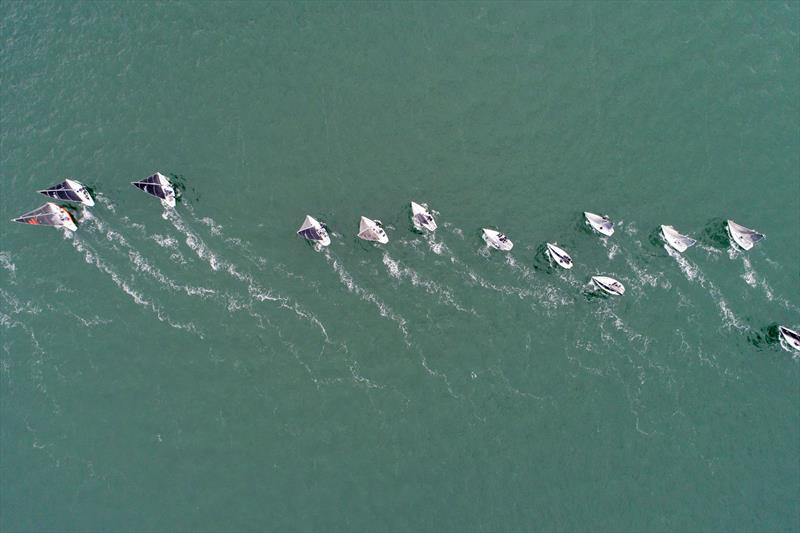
7,264
91,257
385,311
690,270
444,296
752,278
694,274
254,289
141,264
523,270
352,286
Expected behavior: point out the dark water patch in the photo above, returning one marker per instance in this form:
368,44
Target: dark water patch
767,337
179,184
542,261
715,234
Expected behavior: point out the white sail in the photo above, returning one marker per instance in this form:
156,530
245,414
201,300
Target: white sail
609,285
676,240
742,236
558,255
49,214
159,186
313,231
70,191
421,218
498,241
601,224
369,230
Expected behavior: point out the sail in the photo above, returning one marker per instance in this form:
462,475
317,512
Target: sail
559,256
47,215
153,185
609,285
677,240
744,237
370,231
159,186
600,223
311,229
65,191
365,224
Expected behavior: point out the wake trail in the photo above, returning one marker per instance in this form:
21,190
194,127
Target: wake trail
753,279
385,311
443,295
255,290
225,299
140,263
694,274
92,257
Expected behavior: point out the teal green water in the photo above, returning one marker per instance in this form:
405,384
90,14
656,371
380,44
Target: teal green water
206,369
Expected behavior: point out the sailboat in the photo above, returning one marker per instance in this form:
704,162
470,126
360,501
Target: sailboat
498,241
609,285
159,186
369,230
421,218
676,240
558,255
313,231
790,337
742,236
600,223
70,191
49,214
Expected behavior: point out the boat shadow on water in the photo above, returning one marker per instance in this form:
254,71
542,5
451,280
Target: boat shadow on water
178,182
542,261
582,225
766,338
591,293
715,234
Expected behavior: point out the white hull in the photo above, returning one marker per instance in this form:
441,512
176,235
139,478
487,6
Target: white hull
421,218
609,285
601,224
745,238
559,256
369,230
313,231
498,241
676,240
69,191
82,192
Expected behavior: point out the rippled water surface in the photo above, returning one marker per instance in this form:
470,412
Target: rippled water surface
205,369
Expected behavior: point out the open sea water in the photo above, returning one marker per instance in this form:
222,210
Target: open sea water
204,368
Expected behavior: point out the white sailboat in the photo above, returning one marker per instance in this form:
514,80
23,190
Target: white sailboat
558,255
70,191
421,218
369,230
498,241
600,223
609,285
742,236
313,231
676,240
790,337
159,186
